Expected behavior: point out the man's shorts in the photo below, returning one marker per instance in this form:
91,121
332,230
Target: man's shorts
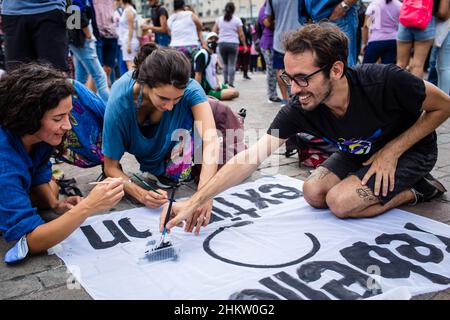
278,60
407,34
413,165
217,93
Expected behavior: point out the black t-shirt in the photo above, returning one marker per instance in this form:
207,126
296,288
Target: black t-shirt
156,13
384,102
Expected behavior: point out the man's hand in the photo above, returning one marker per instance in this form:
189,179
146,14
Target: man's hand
383,166
66,204
338,12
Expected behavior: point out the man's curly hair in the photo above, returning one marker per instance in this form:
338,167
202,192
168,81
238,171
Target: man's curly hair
27,93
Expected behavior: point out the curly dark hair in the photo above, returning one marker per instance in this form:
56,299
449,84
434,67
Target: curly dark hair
27,93
156,66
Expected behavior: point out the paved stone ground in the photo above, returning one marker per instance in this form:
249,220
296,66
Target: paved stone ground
46,277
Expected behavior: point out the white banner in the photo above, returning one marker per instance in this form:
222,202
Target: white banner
264,242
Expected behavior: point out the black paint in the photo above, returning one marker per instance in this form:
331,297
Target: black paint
97,243
130,230
215,218
445,240
224,214
208,250
290,193
240,211
307,291
282,291
253,294
409,250
256,199
359,255
312,271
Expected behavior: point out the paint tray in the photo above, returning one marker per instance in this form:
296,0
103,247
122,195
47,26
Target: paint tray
166,252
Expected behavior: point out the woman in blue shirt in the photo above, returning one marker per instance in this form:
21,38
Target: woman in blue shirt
149,110
35,103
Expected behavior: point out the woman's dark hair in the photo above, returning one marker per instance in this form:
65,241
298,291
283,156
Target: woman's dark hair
324,39
178,4
156,66
129,2
27,93
229,11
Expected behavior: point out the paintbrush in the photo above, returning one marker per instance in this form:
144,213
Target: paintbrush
166,220
107,182
146,184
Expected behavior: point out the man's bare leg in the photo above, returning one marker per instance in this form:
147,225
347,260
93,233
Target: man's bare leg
350,199
317,185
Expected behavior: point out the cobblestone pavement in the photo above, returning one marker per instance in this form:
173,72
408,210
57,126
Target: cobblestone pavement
46,277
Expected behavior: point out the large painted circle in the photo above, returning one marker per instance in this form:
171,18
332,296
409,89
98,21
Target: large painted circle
231,245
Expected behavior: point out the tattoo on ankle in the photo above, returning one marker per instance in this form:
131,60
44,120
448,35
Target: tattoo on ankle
366,194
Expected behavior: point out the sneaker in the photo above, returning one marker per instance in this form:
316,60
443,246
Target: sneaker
427,189
242,112
247,78
284,103
274,100
161,181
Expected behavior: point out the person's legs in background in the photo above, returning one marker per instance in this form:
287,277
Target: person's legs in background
109,57
81,75
87,55
50,38
278,65
224,56
246,64
432,72
443,65
389,52
420,40
18,42
271,76
372,52
229,52
421,49
348,24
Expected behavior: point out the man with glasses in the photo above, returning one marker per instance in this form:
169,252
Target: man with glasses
381,118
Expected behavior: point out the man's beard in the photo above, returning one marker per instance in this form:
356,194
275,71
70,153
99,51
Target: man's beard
326,95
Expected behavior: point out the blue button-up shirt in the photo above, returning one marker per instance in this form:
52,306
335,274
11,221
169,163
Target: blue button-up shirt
19,172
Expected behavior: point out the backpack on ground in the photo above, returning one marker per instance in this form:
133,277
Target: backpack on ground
312,151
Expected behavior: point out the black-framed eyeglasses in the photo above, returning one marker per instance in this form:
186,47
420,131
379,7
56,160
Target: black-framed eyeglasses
301,81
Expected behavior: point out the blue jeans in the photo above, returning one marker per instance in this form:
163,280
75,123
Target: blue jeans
432,72
86,61
348,24
443,65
